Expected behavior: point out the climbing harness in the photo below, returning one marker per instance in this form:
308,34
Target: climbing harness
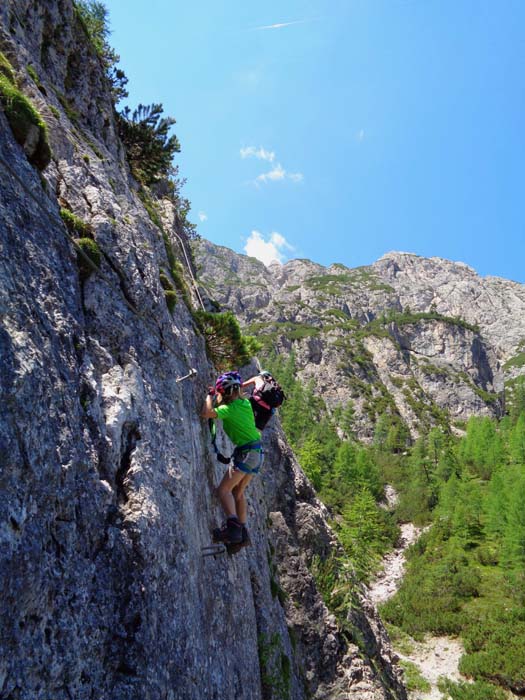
241,454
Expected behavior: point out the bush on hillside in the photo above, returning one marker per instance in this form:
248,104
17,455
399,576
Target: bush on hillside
227,346
24,119
94,18
88,257
149,147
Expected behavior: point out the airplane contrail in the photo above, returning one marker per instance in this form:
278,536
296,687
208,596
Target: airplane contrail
280,25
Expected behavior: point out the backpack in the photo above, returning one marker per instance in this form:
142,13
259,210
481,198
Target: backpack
270,395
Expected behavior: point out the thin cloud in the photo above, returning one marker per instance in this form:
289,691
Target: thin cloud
360,135
280,25
267,251
203,216
259,153
278,173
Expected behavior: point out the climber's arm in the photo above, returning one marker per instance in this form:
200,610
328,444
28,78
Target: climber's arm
207,410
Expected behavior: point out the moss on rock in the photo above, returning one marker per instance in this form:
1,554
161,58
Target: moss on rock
170,295
74,224
88,249
29,129
6,69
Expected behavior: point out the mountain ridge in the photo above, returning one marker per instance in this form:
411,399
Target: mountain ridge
432,308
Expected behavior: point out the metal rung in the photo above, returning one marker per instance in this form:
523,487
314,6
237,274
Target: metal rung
213,550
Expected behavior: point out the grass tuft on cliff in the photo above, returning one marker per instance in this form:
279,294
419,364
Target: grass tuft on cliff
91,250
29,129
74,224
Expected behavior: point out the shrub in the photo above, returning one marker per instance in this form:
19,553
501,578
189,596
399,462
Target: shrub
275,667
22,116
171,299
469,691
90,250
414,679
225,343
165,282
495,646
33,74
149,147
74,224
93,17
6,69
170,295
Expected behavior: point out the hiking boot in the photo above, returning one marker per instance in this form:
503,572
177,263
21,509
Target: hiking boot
230,533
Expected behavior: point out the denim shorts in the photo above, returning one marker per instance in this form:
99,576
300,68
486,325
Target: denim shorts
248,459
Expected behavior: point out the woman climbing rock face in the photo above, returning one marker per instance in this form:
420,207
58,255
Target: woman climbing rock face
226,403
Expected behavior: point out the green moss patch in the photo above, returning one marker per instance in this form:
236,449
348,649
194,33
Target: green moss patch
414,679
91,251
23,118
165,282
75,225
33,74
6,69
170,295
516,361
171,299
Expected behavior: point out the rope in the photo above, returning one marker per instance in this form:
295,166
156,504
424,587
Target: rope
54,219
188,265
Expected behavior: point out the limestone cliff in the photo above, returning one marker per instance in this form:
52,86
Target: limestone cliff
424,340
106,471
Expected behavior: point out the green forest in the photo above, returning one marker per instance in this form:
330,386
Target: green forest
465,576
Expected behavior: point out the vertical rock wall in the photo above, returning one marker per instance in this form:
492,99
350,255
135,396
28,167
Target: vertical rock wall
106,472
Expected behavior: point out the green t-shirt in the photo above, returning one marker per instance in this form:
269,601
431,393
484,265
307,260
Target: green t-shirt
238,421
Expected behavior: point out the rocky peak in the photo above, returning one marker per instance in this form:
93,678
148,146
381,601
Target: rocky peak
424,339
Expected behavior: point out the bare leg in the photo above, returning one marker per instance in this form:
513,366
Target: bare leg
240,499
224,491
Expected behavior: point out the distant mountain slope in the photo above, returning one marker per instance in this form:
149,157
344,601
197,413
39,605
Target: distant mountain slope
418,339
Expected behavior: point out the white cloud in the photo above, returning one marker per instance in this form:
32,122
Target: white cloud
360,135
278,173
260,153
268,251
203,216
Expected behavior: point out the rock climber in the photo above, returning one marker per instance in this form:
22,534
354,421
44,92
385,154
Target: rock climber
224,401
267,396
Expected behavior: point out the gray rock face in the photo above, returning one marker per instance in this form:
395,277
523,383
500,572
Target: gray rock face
422,339
106,473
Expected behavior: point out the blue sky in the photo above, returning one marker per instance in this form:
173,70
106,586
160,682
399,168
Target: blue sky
339,131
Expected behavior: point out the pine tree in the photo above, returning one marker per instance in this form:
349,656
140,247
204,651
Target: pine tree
514,535
361,532
517,441
311,459
149,147
227,346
